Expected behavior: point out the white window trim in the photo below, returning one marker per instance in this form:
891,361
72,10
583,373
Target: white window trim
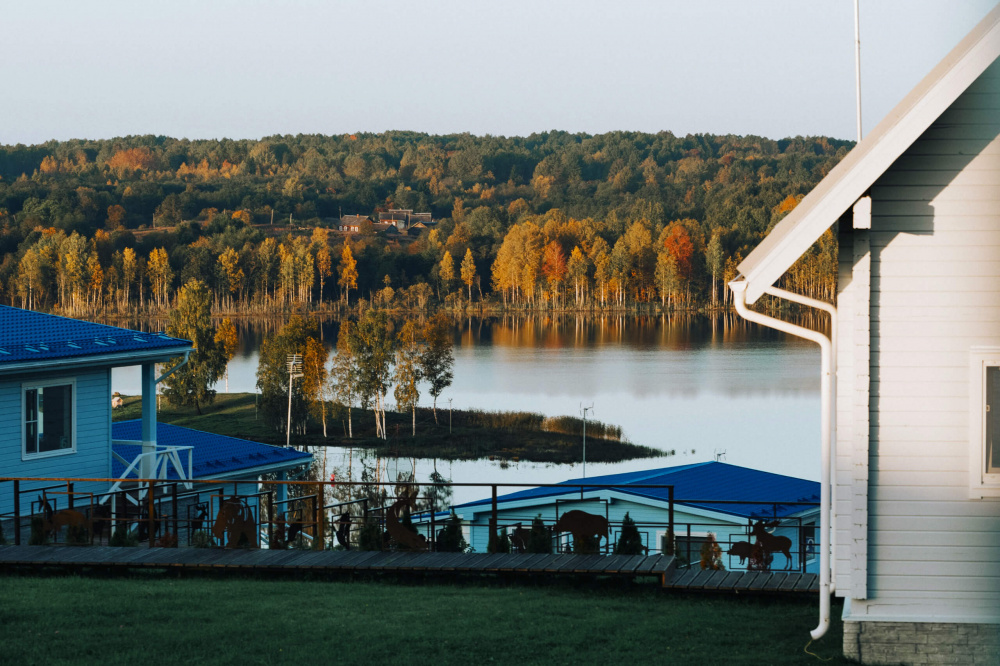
71,381
981,485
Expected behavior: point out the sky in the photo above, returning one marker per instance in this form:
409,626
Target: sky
220,68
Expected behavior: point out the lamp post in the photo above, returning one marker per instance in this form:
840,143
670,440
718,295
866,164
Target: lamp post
294,372
585,410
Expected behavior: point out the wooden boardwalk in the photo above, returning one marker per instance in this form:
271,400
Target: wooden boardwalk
216,559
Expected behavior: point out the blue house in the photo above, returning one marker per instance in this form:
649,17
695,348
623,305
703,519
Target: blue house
711,497
55,413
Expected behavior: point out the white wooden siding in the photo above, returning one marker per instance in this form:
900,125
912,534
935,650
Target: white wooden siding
935,292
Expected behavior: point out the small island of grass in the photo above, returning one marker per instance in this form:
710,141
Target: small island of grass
473,434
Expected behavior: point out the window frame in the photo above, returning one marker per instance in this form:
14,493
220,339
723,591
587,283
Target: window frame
22,416
981,484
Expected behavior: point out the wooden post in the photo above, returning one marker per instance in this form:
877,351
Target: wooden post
433,530
69,494
17,512
670,519
318,533
173,492
270,519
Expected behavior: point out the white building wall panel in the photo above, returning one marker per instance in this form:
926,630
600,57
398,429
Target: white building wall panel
935,292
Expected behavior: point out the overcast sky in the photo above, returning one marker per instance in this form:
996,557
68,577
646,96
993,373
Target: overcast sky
216,68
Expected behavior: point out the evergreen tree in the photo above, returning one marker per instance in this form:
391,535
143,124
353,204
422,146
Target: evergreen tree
629,539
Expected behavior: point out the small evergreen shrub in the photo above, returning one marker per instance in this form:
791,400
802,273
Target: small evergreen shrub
498,543
711,554
629,539
370,536
39,537
450,538
201,539
540,539
77,535
123,538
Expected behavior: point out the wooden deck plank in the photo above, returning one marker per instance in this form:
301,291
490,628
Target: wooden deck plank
776,580
683,578
701,579
729,582
653,564
715,581
789,583
808,583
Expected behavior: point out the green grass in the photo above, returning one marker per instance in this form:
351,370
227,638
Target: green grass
474,433
157,620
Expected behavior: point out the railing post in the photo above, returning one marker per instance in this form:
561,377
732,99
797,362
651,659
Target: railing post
17,512
689,544
670,519
270,519
319,517
69,495
433,530
177,528
150,508
802,547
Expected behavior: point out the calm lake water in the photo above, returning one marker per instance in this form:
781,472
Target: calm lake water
693,386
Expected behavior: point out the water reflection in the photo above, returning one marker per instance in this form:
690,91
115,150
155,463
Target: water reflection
685,383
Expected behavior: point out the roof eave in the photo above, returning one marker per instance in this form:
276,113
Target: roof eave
870,158
108,360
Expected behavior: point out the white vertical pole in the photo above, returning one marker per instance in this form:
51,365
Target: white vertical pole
857,60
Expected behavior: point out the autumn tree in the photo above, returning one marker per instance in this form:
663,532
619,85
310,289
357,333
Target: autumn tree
407,391
437,359
314,379
273,377
715,260
348,272
576,269
344,373
446,271
554,268
372,346
468,271
191,319
228,340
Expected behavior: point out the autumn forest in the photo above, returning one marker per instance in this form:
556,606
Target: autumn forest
548,221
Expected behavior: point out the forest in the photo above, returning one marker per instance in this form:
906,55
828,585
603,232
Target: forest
552,220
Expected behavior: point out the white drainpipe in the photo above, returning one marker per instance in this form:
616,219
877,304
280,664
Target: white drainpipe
832,311
826,398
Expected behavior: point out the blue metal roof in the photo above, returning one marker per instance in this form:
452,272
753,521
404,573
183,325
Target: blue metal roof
214,455
701,485
27,336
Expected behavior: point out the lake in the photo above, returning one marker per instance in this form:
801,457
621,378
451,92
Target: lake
695,386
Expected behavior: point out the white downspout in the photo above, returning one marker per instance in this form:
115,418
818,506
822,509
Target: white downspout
832,311
826,385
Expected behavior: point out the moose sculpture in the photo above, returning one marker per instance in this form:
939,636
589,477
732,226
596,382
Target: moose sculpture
583,526
769,543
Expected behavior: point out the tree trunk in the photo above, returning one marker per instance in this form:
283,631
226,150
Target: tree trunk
414,408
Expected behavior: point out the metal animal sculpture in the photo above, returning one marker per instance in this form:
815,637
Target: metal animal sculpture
770,543
100,520
400,533
519,539
235,522
344,530
295,524
741,549
200,516
53,521
583,525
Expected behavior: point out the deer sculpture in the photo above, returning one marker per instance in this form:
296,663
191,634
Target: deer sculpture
53,521
770,543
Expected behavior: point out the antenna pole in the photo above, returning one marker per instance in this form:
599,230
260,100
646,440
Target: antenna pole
857,60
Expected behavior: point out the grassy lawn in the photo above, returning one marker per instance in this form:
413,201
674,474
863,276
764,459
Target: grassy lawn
474,434
157,620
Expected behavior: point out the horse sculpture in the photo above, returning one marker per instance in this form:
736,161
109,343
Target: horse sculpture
235,523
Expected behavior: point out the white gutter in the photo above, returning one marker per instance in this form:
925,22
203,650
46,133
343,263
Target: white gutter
826,392
187,354
832,311
113,359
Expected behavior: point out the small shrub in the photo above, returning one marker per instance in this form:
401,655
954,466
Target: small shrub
123,538
540,538
370,536
3,539
39,537
498,543
586,545
168,540
711,554
77,535
201,539
450,538
629,539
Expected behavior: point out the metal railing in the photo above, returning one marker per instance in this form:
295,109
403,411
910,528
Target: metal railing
370,515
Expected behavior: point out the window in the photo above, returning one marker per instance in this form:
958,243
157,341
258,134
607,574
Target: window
984,425
49,418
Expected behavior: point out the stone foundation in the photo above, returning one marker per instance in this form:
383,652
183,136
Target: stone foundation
922,643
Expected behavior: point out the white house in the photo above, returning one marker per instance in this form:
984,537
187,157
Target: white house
914,361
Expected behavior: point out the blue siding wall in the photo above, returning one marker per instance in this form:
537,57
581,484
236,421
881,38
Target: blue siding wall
93,436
